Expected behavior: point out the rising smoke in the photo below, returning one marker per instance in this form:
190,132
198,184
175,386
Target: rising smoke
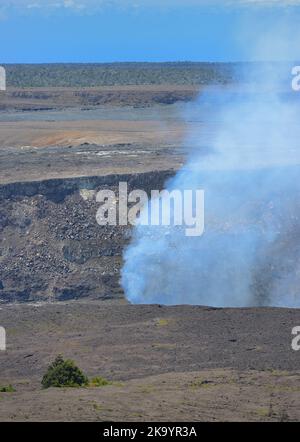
249,254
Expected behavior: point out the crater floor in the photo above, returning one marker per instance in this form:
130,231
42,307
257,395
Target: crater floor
166,363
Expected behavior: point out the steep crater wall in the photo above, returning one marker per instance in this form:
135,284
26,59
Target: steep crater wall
51,246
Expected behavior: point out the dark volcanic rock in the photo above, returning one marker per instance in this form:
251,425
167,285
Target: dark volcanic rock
51,245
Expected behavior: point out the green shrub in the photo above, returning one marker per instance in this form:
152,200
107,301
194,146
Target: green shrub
99,382
64,373
7,389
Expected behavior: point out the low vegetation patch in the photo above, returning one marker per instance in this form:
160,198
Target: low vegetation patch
163,322
202,383
7,389
99,382
110,74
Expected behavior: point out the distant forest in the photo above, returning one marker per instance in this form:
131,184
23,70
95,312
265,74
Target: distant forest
92,75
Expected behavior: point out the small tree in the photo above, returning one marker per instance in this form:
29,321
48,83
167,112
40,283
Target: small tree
63,373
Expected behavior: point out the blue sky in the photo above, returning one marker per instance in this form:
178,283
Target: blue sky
36,31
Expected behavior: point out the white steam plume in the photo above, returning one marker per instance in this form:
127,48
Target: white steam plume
250,252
